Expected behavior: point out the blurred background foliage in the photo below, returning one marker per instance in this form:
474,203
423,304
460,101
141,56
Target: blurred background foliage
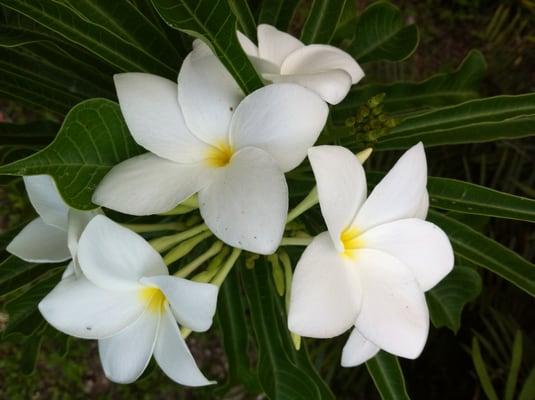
493,353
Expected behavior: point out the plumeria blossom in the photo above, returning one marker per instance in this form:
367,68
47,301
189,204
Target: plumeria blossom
204,136
128,301
53,236
279,57
372,267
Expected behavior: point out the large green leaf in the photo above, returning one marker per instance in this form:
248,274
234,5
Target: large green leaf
494,118
388,377
447,300
438,91
278,13
215,24
92,139
105,36
284,373
382,35
243,13
322,20
471,246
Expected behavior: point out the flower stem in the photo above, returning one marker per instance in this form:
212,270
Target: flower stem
223,272
296,241
166,242
142,228
193,265
185,247
308,202
186,206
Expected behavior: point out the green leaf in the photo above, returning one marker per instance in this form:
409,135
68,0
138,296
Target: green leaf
493,118
388,377
284,373
465,197
381,34
243,13
214,23
438,91
34,133
231,316
278,13
516,361
106,36
476,248
323,18
92,139
528,390
482,372
447,300
16,273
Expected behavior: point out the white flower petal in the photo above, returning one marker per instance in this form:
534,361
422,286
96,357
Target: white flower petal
332,85
70,271
40,243
423,207
283,119
125,356
394,313
208,96
341,187
193,303
399,193
420,245
116,258
78,220
148,184
247,45
46,200
319,58
173,356
149,104
246,204
79,308
357,350
275,45
326,291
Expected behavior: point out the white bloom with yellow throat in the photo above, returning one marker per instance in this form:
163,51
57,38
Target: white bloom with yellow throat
128,301
203,135
372,267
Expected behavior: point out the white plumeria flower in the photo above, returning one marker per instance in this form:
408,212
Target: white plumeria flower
279,57
53,236
128,301
207,138
372,267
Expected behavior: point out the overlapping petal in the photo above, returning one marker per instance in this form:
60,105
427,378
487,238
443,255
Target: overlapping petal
173,356
116,258
341,186
357,350
41,243
393,314
275,45
246,204
326,292
148,184
283,120
193,303
46,200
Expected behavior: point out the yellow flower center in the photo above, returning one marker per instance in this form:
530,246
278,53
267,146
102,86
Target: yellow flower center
154,297
351,241
219,155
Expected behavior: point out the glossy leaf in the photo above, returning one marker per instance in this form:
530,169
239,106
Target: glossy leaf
243,13
102,40
284,373
278,13
438,91
528,389
493,118
482,372
322,20
514,368
214,23
471,246
388,377
447,300
92,139
381,34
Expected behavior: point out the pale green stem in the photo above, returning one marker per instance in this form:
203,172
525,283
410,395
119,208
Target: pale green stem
286,263
185,332
165,242
213,266
185,248
296,241
223,272
193,265
308,202
179,210
142,228
191,202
